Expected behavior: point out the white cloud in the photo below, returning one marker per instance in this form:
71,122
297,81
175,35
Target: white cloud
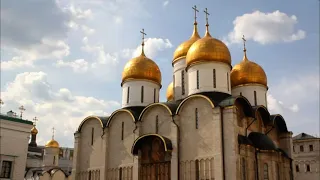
61,109
266,28
78,66
79,13
165,3
278,107
153,46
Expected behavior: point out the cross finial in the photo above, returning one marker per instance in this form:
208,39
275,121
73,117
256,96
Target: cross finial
53,129
244,43
195,13
207,14
35,119
21,108
143,34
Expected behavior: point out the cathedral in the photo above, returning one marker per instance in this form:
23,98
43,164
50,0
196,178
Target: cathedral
215,124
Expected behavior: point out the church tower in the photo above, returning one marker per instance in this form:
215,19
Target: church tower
180,78
141,81
208,65
51,152
248,79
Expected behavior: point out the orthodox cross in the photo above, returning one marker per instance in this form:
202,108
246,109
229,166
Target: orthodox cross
1,103
35,119
21,108
207,14
143,34
195,13
53,129
244,43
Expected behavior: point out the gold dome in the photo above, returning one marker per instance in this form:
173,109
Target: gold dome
247,72
183,48
52,144
170,95
208,49
141,68
34,130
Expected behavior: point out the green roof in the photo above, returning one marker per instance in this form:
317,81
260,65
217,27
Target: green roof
8,118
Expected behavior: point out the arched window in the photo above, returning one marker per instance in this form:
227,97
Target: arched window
214,78
197,79
142,92
255,97
182,82
265,172
128,94
243,169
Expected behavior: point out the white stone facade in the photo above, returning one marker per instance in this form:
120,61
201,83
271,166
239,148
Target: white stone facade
255,93
180,75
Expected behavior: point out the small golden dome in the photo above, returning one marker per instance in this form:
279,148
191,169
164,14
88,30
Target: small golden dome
141,68
208,49
34,130
52,144
183,48
170,95
247,72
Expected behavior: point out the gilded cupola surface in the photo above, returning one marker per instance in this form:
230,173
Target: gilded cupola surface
170,95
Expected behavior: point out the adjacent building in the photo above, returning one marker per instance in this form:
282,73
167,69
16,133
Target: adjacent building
306,154
14,138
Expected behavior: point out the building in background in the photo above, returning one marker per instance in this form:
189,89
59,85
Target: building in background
14,137
306,154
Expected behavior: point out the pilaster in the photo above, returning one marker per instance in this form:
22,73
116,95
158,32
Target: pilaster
76,164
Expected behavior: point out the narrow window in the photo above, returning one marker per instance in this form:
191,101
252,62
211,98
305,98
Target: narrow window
154,95
255,97
240,93
122,130
128,94
278,172
197,118
308,168
157,124
265,172
174,82
120,174
197,170
89,178
228,81
142,92
54,160
293,149
6,169
182,82
243,169
297,168
301,148
92,136
214,78
197,79
311,147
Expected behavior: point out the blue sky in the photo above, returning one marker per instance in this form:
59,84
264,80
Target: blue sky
63,60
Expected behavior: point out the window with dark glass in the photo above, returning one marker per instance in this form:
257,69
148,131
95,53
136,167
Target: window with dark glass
265,172
310,147
154,95
128,94
122,130
243,169
214,78
228,81
197,79
297,168
197,164
92,136
182,82
197,118
240,93
157,124
255,97
6,169
308,168
54,160
301,148
142,92
293,149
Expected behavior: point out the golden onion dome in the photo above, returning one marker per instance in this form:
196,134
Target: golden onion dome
208,49
34,130
247,72
170,92
141,68
52,144
183,48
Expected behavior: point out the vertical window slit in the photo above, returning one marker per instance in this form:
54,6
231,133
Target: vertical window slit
122,130
228,81
197,118
142,92
182,82
157,124
128,94
92,136
197,79
154,95
255,97
214,79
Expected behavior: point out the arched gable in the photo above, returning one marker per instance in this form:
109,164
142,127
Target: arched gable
238,100
279,122
58,174
153,105
90,118
119,111
191,97
139,141
264,114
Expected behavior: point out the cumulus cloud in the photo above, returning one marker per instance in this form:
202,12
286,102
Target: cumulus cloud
59,108
153,46
265,28
78,66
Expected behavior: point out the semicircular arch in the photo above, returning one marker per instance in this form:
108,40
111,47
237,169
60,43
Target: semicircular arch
192,97
279,122
119,111
153,105
89,118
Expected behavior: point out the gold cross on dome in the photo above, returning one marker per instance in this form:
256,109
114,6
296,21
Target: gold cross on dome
244,43
207,14
143,34
35,119
53,129
195,12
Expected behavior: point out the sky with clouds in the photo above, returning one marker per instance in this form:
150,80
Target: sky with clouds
62,59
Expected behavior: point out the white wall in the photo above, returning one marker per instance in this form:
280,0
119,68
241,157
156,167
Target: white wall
206,77
49,155
178,67
135,93
248,92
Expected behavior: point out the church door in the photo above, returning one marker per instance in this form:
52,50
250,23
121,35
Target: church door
155,162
